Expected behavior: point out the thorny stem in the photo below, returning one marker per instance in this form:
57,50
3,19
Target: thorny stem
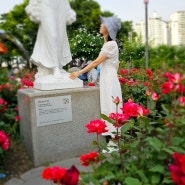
147,104
139,135
118,139
173,111
99,149
154,109
139,139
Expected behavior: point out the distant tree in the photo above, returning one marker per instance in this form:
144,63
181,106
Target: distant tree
17,24
88,12
181,53
133,53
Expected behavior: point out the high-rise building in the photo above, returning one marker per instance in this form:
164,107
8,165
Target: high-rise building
178,28
163,32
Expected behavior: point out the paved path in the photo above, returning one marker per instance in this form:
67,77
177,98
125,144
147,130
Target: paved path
33,176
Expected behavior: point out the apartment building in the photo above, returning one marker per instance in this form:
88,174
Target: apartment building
160,31
178,28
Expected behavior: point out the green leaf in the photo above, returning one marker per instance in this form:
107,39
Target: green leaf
151,105
155,179
95,143
177,149
167,180
125,127
154,142
163,155
1,150
168,151
104,117
132,181
166,108
157,168
177,141
142,176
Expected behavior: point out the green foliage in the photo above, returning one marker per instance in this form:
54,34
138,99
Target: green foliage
85,45
17,23
146,143
163,56
8,106
133,53
4,75
88,12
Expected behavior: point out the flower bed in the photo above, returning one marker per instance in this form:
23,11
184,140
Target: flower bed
148,147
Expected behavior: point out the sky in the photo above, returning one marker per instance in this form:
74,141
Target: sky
126,10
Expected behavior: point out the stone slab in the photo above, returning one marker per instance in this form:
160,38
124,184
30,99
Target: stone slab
48,82
56,142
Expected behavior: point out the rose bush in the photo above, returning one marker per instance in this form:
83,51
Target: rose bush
4,145
178,169
9,85
4,141
148,145
9,115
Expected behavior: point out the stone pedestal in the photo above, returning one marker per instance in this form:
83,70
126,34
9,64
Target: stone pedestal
52,132
49,82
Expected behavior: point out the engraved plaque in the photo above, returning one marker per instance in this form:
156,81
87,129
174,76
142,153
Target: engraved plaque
53,110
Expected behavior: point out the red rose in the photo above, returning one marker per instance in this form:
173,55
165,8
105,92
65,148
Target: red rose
146,84
122,80
167,87
91,84
167,75
87,159
46,174
178,169
149,72
17,109
27,83
120,118
132,109
148,92
181,99
123,71
142,111
4,141
17,118
175,78
155,96
97,126
180,88
57,173
61,175
71,176
3,104
116,100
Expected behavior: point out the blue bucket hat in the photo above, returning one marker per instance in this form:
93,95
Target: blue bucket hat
113,25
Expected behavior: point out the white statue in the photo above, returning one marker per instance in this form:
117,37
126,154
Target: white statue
51,51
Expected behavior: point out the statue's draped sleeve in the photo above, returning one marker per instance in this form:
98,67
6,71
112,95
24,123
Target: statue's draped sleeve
71,15
33,10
